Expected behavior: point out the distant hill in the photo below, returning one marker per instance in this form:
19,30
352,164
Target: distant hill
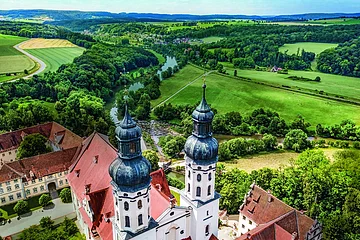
60,15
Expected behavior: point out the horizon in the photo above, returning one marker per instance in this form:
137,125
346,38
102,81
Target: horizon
194,7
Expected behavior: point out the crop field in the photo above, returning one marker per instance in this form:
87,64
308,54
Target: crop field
35,43
337,21
307,46
330,83
11,60
55,57
227,94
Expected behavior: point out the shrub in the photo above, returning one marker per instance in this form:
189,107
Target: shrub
46,222
65,195
174,182
45,200
21,207
356,145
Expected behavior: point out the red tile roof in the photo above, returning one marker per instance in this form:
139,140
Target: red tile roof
260,210
85,172
213,237
38,166
275,219
52,131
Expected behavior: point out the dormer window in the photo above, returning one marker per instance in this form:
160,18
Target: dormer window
87,188
77,173
96,159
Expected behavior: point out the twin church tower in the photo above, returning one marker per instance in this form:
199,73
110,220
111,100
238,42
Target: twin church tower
135,202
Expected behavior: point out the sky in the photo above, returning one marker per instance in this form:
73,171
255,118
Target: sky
247,7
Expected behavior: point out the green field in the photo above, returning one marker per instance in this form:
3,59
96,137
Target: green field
227,94
55,57
211,39
307,46
11,60
179,80
334,84
337,21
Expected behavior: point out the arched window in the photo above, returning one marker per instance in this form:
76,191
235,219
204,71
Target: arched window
132,147
209,176
207,230
127,221
140,220
139,204
209,190
198,191
188,187
198,177
189,174
117,215
126,206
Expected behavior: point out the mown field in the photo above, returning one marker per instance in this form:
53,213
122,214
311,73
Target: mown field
55,57
227,94
334,84
11,60
337,21
307,46
46,43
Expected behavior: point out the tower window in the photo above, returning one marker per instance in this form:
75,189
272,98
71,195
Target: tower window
127,221
189,174
126,206
132,147
139,204
188,187
198,177
140,220
209,176
209,190
207,230
198,191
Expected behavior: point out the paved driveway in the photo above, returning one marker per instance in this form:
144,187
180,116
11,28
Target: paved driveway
60,209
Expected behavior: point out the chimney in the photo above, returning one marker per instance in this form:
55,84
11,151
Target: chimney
294,236
269,196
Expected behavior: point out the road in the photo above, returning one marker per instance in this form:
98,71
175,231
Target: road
203,75
42,64
60,209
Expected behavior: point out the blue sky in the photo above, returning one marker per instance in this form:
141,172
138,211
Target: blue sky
258,7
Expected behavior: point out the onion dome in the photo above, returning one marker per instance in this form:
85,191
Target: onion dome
130,171
203,112
201,147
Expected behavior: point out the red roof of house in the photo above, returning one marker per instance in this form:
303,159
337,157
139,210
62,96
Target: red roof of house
52,131
260,210
84,172
275,219
212,237
38,166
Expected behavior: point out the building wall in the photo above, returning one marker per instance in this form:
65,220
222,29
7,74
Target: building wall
15,190
206,215
245,224
174,226
7,156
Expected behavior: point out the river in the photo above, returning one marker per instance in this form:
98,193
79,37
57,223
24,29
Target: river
170,62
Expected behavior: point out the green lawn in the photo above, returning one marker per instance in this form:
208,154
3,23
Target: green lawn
160,57
179,80
330,83
307,46
55,57
227,94
11,60
177,196
211,39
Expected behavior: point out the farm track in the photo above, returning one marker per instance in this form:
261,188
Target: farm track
178,91
42,64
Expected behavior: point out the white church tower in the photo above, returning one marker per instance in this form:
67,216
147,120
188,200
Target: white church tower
130,173
200,164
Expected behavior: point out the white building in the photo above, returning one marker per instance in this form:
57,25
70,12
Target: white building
138,204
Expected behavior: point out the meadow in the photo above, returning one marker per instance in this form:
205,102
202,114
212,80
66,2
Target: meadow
227,94
55,57
11,60
307,46
337,21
